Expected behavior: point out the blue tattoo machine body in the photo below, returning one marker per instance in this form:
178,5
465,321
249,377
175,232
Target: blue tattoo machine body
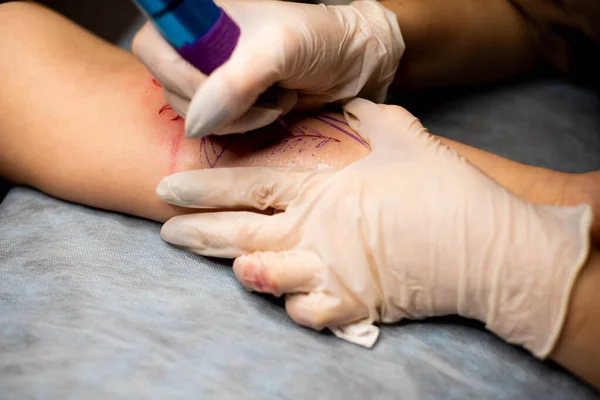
202,33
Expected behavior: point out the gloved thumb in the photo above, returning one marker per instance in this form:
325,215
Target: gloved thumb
177,76
385,126
222,104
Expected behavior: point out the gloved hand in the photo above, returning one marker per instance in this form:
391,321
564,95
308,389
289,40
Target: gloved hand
324,54
412,230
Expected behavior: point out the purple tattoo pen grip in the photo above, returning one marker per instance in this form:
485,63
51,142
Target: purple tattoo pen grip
215,47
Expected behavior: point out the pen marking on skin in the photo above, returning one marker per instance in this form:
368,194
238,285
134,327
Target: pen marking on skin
212,145
350,135
212,159
335,119
301,137
315,133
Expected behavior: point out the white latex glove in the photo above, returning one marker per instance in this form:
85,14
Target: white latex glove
323,54
412,230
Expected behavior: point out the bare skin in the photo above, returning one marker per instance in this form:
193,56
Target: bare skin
461,41
578,348
450,42
84,121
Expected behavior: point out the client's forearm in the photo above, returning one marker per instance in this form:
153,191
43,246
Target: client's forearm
538,185
83,121
578,348
461,41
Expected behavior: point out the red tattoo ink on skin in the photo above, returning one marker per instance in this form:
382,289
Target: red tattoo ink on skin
166,108
175,146
176,140
156,83
212,150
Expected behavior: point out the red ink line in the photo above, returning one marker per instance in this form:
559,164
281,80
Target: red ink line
358,139
175,146
177,117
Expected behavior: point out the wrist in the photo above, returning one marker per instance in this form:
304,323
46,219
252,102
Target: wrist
528,291
587,188
577,349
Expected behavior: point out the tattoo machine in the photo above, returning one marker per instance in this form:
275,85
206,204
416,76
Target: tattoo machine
201,32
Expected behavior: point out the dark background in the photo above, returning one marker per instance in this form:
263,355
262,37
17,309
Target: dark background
107,18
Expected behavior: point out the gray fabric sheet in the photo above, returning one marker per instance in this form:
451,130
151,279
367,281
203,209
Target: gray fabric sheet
94,305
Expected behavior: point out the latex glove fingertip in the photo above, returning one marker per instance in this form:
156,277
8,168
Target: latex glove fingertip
255,118
162,190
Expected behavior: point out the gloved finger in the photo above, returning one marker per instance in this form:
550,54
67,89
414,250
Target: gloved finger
292,271
226,234
232,89
281,101
165,64
223,188
318,310
179,104
385,126
258,116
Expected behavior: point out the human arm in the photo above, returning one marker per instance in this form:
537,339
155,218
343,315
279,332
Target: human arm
461,42
578,348
469,41
80,119
83,120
